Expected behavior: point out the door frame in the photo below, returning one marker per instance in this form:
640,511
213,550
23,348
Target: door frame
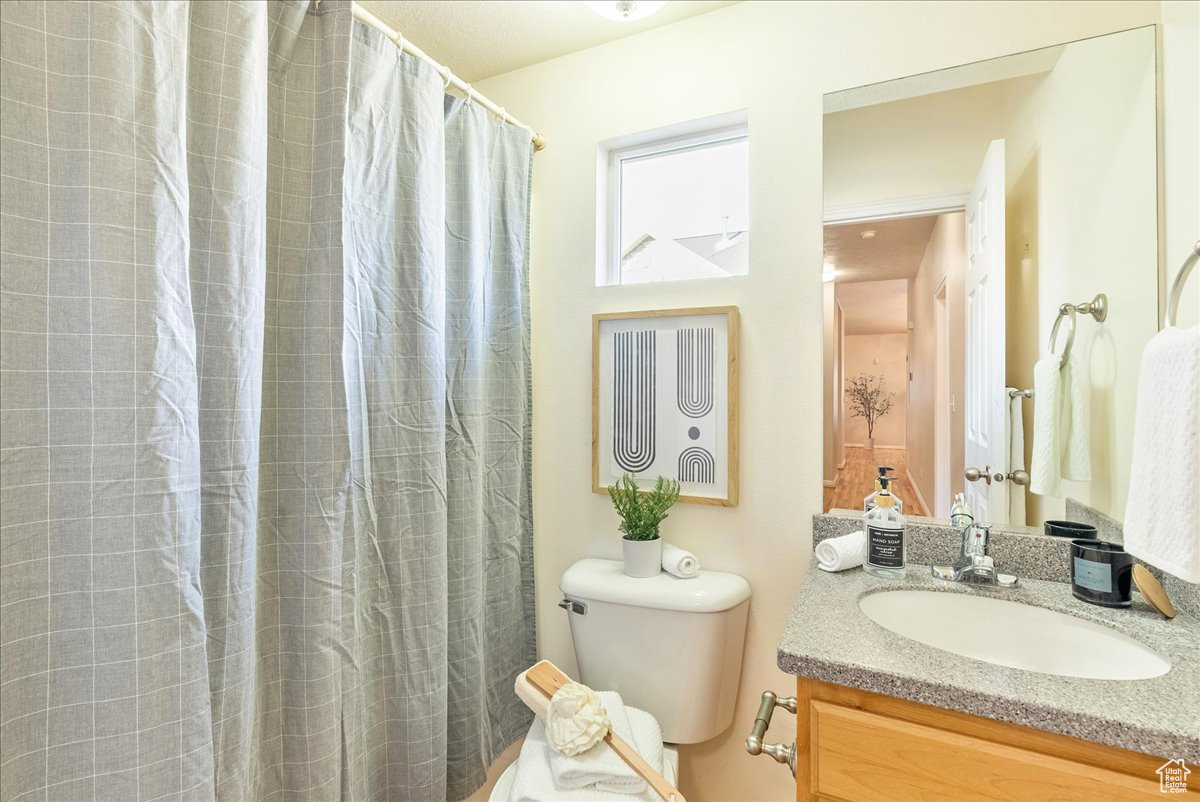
941,400
895,209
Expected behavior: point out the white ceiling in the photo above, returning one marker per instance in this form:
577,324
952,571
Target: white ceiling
874,307
894,253
479,39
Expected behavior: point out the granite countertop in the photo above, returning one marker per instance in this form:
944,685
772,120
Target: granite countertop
829,639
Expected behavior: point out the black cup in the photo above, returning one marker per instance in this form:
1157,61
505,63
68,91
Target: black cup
1069,529
1101,573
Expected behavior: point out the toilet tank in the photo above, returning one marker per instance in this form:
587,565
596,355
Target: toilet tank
669,646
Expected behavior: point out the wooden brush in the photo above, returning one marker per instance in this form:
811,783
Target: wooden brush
547,679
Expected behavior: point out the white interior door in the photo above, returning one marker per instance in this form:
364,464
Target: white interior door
986,412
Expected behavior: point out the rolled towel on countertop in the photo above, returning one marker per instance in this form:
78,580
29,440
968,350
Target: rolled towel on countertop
680,563
839,553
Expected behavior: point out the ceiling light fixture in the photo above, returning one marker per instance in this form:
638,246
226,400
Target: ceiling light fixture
868,234
625,10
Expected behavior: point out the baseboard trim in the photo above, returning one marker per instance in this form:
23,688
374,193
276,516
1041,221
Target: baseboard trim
917,492
830,482
877,445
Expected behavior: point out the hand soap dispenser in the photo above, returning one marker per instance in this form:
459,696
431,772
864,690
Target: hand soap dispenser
886,553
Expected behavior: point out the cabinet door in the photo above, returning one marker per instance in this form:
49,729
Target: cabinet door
856,746
863,757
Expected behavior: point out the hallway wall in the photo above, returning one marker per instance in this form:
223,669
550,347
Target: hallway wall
943,259
880,354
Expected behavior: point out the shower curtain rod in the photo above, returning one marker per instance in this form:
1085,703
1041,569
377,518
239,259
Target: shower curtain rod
367,18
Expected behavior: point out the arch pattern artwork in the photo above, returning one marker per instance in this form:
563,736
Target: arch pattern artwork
634,395
697,465
694,371
664,400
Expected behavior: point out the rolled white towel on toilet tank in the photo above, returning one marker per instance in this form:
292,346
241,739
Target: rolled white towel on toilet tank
840,553
678,562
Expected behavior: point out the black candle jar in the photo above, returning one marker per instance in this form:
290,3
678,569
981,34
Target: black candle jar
1069,529
1101,573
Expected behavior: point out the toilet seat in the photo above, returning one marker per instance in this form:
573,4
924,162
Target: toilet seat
503,785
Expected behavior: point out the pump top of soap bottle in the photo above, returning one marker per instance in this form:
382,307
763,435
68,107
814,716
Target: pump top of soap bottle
869,502
885,497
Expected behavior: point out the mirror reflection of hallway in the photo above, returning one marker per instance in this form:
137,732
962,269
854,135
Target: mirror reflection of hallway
875,269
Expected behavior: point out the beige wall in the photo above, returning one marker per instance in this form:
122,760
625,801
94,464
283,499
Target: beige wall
943,261
1022,329
776,59
882,355
924,145
1098,232
1181,132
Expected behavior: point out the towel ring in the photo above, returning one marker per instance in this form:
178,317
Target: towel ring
1097,308
1177,286
1066,310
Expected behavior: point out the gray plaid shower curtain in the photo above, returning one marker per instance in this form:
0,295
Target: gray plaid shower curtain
265,516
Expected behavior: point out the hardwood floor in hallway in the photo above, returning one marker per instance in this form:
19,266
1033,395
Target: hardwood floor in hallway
857,480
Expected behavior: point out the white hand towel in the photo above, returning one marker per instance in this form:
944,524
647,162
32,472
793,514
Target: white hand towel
678,562
535,781
1162,514
840,553
1060,428
1077,453
1016,457
600,766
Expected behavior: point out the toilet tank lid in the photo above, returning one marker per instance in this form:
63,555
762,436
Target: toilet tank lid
605,580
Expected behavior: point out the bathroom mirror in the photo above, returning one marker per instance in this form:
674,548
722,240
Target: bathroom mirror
964,210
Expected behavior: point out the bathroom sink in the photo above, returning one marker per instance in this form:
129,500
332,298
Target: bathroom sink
1008,633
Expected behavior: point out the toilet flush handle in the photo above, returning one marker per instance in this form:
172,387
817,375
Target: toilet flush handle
572,606
762,721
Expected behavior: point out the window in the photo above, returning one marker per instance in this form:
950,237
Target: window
678,203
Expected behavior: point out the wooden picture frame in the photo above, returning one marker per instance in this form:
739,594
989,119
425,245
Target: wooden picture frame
650,405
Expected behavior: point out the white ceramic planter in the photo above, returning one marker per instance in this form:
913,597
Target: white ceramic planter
643,558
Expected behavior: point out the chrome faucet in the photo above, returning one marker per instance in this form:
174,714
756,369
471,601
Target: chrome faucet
974,565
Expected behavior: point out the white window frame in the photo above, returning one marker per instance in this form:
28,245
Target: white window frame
613,153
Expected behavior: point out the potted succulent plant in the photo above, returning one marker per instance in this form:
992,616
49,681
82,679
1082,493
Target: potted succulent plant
641,512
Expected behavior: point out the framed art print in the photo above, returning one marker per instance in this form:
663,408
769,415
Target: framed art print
665,400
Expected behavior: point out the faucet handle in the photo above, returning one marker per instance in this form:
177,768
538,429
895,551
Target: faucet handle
977,539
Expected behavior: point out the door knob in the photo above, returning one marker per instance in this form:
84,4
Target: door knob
1016,477
974,475
1019,478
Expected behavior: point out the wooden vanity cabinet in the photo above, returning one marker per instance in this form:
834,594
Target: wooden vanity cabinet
856,746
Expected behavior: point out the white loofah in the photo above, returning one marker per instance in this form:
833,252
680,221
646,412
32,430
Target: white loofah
577,720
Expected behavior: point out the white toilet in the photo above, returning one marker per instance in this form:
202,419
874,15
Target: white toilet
671,647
